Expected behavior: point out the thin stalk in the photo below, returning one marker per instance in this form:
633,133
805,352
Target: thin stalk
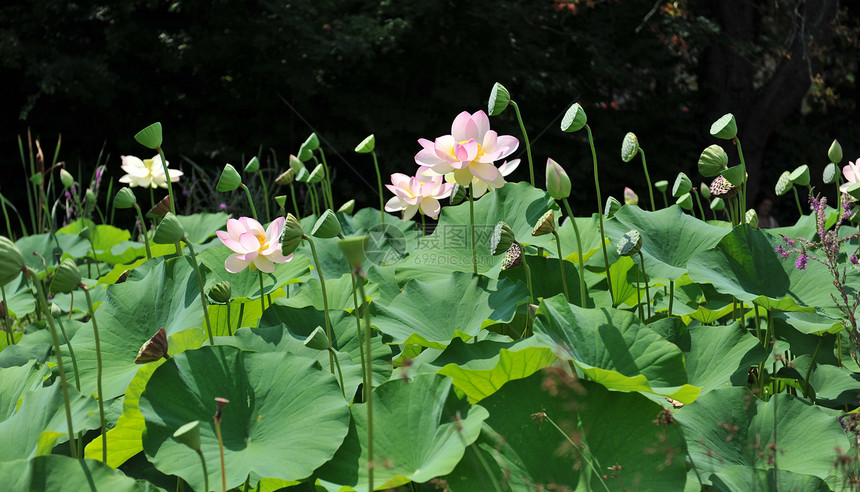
169,193
109,205
221,449
699,201
472,226
639,297
357,314
262,297
379,185
295,204
6,216
313,198
98,371
526,138
29,190
325,299
327,180
265,195
143,231
671,295
205,472
600,215
10,339
797,200
486,467
368,381
665,200
582,292
339,371
647,179
43,303
561,265
580,448
229,330
838,192
93,247
423,225
250,201
811,365
757,323
528,274
247,486
71,353
645,276
743,191
202,292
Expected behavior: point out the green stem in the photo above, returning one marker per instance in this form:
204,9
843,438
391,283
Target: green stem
743,190
486,467
265,196
526,138
528,274
339,372
757,324
93,247
98,371
327,180
639,297
811,365
582,291
202,292
325,299
368,380
10,339
699,202
71,354
645,276
671,295
250,201
357,313
472,226
169,193
295,204
229,330
561,265
221,449
205,472
665,200
379,185
6,216
600,215
262,297
648,179
797,200
580,447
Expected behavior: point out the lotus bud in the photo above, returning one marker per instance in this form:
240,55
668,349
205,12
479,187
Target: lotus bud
327,226
66,277
66,178
317,340
229,180
458,194
682,185
253,165
296,164
574,119
751,218
830,173
662,185
150,136
169,231
685,201
160,209
630,197
502,238
90,195
629,147
286,177
347,207
124,198
712,161
721,188
545,225
367,145
557,181
612,205
513,257
725,128
353,248
630,243
800,176
499,100
834,153
221,292
705,191
189,435
154,349
56,312
292,236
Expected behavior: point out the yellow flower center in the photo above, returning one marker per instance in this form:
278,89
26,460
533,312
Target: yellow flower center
262,239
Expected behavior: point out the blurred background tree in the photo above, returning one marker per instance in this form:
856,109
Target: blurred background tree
231,79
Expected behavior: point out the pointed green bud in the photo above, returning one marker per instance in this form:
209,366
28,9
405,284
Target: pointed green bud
682,185
685,201
800,176
574,119
751,218
327,226
306,151
630,243
66,277
499,100
189,435
347,207
285,178
90,195
11,261
56,312
124,198
66,178
629,147
834,153
712,161
661,185
169,231
725,128
221,292
229,180
317,340
557,181
829,175
718,204
458,194
545,225
502,238
253,165
150,136
296,164
353,248
705,191
292,236
611,207
367,145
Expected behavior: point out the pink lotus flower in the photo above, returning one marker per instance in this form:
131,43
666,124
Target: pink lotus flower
468,152
412,194
252,245
851,171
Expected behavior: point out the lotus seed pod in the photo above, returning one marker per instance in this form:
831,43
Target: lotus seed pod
124,198
705,191
458,194
316,175
499,100
303,175
327,226
800,176
513,257
736,175
718,204
612,206
574,119
630,197
630,243
347,207
292,236
285,178
90,195
317,340
229,180
150,136
67,277
661,185
66,178
834,153
354,248
253,165
367,145
308,147
721,188
169,231
296,164
726,127
160,209
221,292
281,200
189,435
829,175
557,180
682,185
502,238
783,184
751,218
154,349
545,225
712,161
629,147
86,233
685,201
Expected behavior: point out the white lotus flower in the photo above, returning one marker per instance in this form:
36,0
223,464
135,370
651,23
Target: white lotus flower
147,173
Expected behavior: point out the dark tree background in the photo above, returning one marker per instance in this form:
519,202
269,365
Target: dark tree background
227,78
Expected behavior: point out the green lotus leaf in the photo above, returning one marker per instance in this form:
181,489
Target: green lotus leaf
589,235
613,348
440,427
104,237
339,291
546,277
719,356
67,245
737,477
201,226
266,428
834,386
16,381
56,473
415,316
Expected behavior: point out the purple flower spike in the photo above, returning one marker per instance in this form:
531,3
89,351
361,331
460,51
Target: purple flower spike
854,259
800,264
